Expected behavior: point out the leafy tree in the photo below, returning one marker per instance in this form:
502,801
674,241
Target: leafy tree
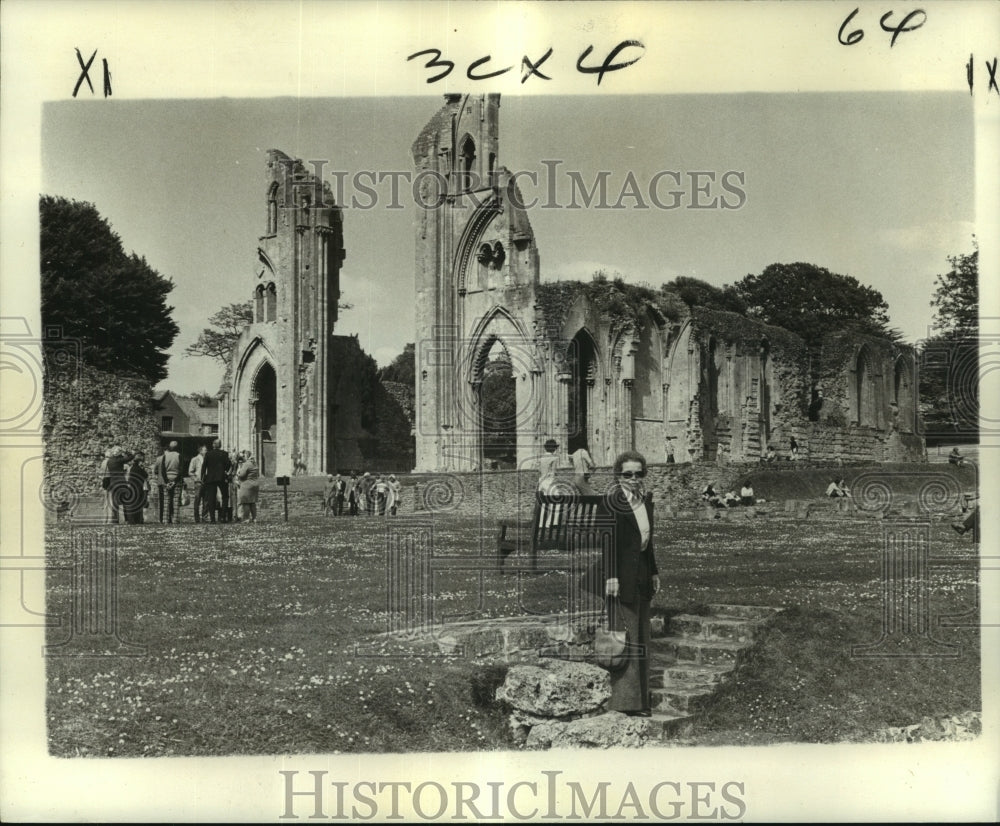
949,363
402,369
697,293
111,301
217,340
811,301
956,296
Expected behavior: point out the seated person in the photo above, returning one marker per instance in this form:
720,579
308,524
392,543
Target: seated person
710,496
837,488
730,500
956,457
770,456
746,494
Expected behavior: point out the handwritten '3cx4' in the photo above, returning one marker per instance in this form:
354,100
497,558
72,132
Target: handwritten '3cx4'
532,68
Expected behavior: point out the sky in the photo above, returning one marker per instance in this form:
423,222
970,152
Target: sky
879,186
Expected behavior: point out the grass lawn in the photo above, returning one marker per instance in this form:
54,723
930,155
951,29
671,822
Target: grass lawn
251,634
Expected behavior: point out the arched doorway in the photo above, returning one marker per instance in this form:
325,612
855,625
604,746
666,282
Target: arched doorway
264,396
497,392
583,370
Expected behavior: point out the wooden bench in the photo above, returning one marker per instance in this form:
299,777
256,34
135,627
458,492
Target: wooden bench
563,523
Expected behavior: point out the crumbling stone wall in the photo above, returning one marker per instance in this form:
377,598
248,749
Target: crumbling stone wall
87,411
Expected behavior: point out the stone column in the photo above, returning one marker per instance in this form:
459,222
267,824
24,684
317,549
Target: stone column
627,436
561,419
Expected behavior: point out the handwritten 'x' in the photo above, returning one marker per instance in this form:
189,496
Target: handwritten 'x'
85,74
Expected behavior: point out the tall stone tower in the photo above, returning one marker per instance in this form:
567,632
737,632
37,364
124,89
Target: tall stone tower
476,272
284,376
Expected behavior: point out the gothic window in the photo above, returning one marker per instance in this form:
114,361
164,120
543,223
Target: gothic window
272,209
467,159
864,392
647,388
258,303
271,303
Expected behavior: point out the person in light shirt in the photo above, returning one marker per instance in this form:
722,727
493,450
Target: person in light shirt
632,578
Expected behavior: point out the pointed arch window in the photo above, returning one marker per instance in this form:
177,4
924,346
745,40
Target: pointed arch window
272,209
468,157
258,303
271,303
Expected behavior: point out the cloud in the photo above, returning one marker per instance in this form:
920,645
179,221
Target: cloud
951,237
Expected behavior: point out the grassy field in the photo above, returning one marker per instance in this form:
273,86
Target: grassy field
251,635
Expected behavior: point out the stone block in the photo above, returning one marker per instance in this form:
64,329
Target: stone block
604,731
555,688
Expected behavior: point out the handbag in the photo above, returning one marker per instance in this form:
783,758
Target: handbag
611,645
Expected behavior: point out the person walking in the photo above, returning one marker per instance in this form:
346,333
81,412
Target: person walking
248,476
138,490
199,503
170,476
215,485
354,494
117,483
583,467
395,490
339,486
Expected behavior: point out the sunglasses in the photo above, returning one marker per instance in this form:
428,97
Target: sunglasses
628,474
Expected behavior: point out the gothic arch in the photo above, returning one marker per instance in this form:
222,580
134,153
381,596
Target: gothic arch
902,392
864,391
583,364
647,387
471,239
493,438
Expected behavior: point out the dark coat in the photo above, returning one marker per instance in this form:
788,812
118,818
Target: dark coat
215,466
626,561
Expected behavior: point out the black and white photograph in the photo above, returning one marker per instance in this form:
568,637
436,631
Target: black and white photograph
407,449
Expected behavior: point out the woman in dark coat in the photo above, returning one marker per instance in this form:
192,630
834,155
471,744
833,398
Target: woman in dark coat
631,579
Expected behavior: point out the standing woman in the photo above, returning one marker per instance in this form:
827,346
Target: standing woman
249,478
632,579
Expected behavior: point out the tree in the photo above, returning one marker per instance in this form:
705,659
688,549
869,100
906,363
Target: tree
111,302
811,301
949,360
217,340
402,369
697,293
956,296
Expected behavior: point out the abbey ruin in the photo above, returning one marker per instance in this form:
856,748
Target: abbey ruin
595,364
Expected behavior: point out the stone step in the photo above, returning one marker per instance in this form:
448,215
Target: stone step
670,723
680,700
689,675
668,651
713,627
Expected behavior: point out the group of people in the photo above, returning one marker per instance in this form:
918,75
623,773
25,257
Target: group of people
215,482
729,499
219,481
125,485
372,495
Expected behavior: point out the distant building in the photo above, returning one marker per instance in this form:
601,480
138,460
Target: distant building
191,421
181,416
